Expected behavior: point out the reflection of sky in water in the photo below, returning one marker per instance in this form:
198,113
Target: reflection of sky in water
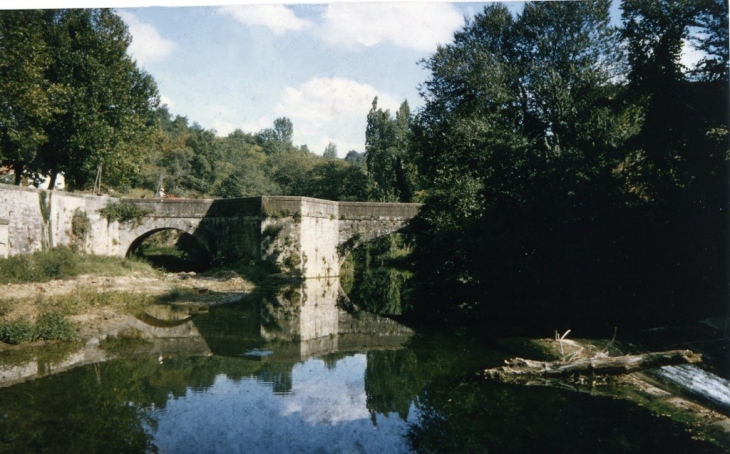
324,413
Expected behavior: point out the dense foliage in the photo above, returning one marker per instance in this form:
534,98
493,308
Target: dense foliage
194,162
576,169
71,98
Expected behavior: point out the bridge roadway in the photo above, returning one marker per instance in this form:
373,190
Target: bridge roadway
306,237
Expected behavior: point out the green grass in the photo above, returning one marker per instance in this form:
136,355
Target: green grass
83,299
50,326
63,262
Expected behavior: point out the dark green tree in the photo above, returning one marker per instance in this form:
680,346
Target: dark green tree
28,100
108,117
517,146
387,154
355,158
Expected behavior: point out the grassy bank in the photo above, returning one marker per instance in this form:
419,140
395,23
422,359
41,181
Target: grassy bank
62,262
34,308
52,321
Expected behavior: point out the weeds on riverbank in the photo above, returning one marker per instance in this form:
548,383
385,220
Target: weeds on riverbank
49,326
63,262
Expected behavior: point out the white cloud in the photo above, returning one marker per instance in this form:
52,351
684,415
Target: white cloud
326,99
419,26
278,18
147,43
331,109
164,100
223,128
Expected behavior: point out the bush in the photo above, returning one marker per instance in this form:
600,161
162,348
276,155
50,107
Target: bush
16,332
49,326
58,263
53,326
62,262
80,224
123,212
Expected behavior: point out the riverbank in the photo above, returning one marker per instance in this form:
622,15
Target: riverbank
97,304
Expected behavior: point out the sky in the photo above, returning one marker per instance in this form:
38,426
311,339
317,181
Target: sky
321,65
243,66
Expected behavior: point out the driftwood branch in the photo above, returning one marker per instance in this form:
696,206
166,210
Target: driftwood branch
524,368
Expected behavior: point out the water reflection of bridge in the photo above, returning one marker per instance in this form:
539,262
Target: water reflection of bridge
296,322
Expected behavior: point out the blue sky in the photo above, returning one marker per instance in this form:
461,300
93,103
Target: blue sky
320,65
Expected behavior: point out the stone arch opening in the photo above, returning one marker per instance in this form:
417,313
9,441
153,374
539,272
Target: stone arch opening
376,273
171,249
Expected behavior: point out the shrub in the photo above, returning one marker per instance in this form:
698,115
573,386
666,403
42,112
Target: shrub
49,326
123,212
58,263
54,326
16,332
62,262
80,224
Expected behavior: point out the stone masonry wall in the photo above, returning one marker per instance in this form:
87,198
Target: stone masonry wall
305,237
3,238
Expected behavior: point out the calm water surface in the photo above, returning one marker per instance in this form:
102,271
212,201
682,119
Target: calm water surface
292,371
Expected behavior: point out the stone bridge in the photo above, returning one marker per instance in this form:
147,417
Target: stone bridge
306,237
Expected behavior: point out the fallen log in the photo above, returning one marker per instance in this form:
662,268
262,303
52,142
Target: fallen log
517,368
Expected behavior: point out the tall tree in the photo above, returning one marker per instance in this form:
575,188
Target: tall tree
684,134
387,156
279,138
678,163
27,99
330,151
517,143
108,117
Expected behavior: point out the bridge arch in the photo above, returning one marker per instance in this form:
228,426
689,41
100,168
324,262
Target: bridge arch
177,251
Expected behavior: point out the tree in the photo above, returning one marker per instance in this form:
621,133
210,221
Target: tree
27,99
107,119
355,158
517,145
386,153
330,151
335,179
683,139
677,164
284,130
278,139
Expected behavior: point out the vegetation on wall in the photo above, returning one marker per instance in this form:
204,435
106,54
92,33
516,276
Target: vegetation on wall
123,212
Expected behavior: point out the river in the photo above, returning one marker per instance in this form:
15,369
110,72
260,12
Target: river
299,369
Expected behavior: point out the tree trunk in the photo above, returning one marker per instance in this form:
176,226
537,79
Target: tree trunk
52,183
524,368
18,169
